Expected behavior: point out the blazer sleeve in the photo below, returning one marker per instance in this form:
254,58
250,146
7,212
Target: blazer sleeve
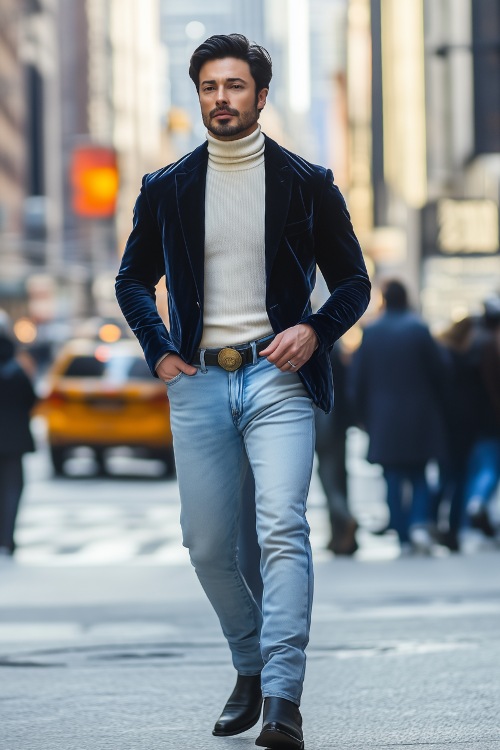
339,256
142,267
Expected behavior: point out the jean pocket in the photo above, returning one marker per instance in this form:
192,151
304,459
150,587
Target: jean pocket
175,380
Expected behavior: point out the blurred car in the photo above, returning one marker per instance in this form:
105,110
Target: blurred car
102,395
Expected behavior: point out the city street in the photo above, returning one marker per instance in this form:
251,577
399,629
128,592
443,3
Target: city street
132,515
107,641
315,183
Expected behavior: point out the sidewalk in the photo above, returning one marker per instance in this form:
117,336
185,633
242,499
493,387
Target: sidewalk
403,652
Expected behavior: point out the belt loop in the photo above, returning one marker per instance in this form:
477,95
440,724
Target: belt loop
203,366
253,344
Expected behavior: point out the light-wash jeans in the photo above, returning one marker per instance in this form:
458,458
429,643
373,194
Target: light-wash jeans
219,419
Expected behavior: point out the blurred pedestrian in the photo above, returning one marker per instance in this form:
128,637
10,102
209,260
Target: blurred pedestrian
462,399
238,227
17,398
398,381
484,463
331,446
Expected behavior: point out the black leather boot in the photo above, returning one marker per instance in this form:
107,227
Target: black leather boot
281,726
242,710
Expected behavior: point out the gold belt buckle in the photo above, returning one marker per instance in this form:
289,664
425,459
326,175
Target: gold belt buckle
229,359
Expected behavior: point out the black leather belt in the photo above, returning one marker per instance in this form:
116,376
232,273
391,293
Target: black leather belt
231,358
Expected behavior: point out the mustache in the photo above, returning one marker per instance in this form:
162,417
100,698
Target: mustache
230,111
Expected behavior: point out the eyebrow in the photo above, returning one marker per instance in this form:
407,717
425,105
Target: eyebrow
228,80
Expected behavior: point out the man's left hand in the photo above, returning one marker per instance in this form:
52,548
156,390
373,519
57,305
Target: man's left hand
292,348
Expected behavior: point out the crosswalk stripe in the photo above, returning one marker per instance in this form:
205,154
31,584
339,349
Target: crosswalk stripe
92,521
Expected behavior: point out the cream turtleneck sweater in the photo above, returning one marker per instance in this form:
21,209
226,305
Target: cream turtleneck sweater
235,280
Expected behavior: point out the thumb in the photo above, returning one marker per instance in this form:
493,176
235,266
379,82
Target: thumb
187,369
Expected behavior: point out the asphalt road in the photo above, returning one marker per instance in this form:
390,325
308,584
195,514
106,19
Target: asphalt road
106,640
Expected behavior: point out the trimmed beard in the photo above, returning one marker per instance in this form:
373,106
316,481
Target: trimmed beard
245,121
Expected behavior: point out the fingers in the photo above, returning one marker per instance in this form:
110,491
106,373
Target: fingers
272,346
284,354
279,354
291,348
170,367
285,360
290,364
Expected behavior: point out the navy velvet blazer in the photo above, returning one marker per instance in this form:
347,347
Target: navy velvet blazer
306,223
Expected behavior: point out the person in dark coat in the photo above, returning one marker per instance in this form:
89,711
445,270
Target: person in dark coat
17,398
484,461
397,384
331,443
463,405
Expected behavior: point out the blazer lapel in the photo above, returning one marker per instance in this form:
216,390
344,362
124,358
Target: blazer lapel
190,191
278,193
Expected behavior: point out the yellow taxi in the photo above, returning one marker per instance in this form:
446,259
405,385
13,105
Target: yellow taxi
102,395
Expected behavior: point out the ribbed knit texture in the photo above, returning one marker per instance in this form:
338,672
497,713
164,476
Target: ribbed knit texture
235,279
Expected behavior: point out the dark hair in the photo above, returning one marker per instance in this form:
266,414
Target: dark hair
395,295
233,45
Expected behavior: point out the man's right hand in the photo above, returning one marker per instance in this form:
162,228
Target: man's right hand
171,366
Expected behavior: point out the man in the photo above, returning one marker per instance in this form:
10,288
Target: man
398,384
237,227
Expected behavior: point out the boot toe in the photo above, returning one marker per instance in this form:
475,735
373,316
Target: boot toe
242,710
282,726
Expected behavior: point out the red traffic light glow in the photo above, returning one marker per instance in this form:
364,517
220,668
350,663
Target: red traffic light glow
94,181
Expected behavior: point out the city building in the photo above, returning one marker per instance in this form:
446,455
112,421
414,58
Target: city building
81,120
126,81
13,152
436,150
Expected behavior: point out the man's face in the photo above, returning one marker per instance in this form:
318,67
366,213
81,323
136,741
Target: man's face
229,105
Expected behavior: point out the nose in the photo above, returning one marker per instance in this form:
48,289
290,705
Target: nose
221,96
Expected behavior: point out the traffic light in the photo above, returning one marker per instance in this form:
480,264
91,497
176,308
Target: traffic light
94,181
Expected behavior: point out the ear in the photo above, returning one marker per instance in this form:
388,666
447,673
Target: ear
262,98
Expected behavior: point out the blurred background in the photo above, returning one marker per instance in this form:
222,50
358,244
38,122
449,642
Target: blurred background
401,98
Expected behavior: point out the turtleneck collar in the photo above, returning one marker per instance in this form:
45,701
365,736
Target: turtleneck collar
243,153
